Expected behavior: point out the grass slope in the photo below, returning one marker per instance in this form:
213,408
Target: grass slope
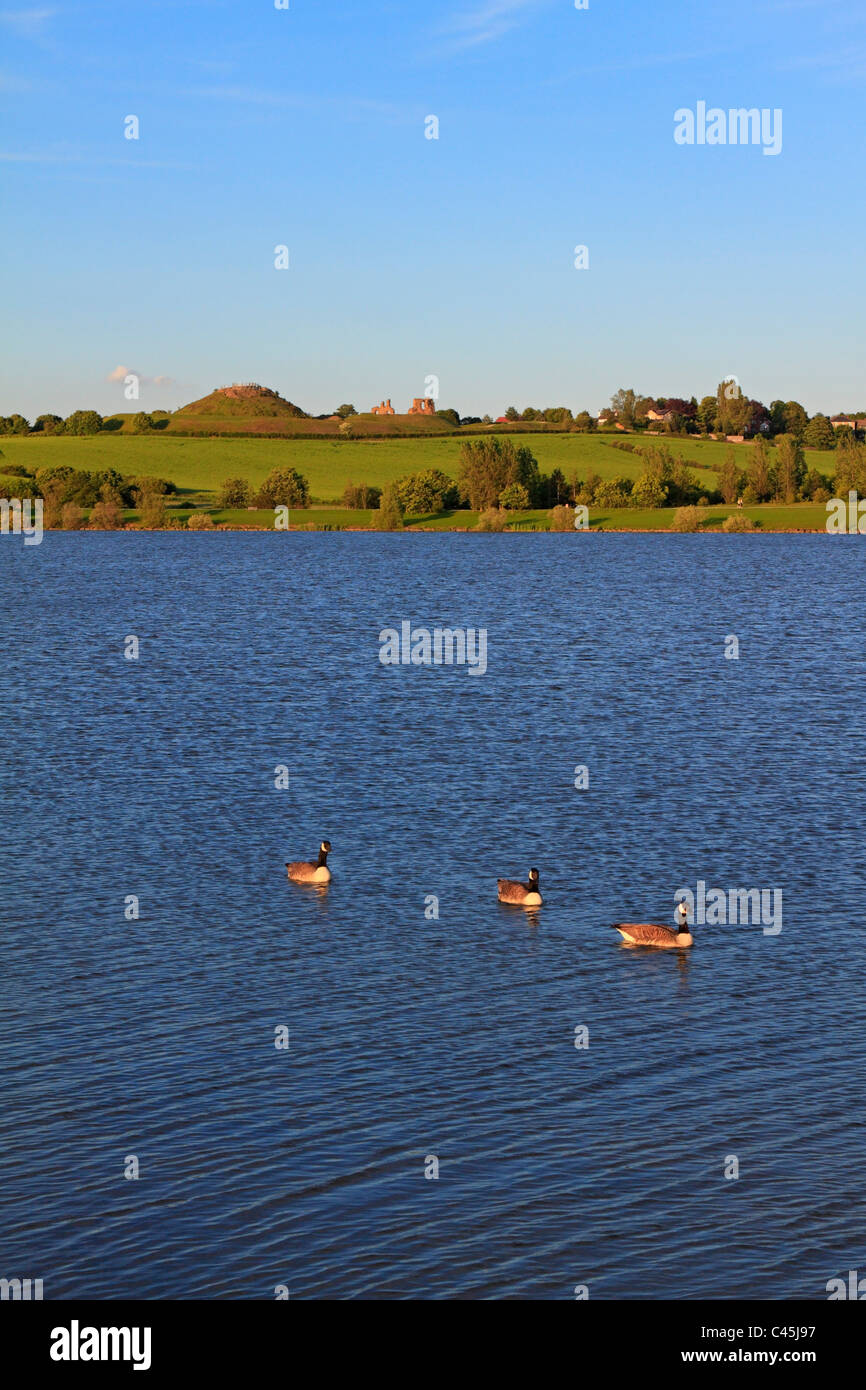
201,465
241,403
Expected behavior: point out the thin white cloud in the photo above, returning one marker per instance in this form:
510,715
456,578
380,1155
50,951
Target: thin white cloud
27,24
52,157
121,373
486,22
639,63
846,66
10,83
256,96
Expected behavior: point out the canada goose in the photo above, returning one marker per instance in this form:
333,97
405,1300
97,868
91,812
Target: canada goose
524,894
304,872
649,934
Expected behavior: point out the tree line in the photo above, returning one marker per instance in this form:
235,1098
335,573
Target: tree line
728,412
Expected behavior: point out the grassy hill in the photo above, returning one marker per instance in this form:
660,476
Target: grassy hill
242,402
257,410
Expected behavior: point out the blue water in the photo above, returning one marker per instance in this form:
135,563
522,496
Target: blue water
412,1037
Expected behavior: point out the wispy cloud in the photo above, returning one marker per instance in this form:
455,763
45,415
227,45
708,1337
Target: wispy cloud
27,24
486,22
72,157
843,66
256,96
252,96
787,5
639,63
121,373
14,84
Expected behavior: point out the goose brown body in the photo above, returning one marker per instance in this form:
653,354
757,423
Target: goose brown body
651,934
307,871
522,894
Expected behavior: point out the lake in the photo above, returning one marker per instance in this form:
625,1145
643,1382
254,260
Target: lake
703,1139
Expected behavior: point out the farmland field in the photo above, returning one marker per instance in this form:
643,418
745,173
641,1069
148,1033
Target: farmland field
201,465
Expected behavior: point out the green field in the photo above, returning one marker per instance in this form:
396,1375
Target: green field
201,465
802,516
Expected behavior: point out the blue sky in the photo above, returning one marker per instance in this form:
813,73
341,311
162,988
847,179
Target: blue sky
413,257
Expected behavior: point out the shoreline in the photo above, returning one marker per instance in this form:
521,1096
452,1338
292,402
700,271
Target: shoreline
223,527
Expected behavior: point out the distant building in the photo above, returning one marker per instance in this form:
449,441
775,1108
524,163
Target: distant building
385,408
660,415
423,405
847,422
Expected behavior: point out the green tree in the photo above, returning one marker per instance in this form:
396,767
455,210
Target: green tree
59,474
760,473
649,491
14,424
490,464
796,420
106,516
284,487
708,414
235,493
557,489
623,403
687,519
344,411
83,488
152,513
514,498
733,408
141,422
492,519
613,492
390,515
430,491
739,522
561,518
790,468
730,478
362,496
584,493
82,422
146,483
665,476
817,487
850,465
109,482
52,512
777,417
819,433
